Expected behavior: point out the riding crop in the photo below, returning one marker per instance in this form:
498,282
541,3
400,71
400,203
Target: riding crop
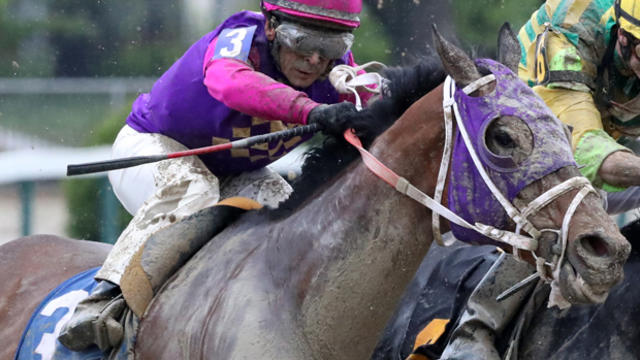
89,168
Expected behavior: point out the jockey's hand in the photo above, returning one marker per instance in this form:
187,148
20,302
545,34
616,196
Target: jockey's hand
334,118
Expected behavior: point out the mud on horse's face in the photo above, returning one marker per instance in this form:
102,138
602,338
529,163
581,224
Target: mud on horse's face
524,150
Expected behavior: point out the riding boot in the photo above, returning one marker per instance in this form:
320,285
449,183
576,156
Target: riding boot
484,317
170,248
95,320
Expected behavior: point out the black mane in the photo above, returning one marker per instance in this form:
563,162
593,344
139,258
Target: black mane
407,85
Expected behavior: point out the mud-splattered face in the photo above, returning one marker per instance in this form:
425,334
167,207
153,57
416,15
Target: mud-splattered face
525,151
517,139
595,252
302,69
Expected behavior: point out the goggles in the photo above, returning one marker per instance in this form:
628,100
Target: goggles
328,44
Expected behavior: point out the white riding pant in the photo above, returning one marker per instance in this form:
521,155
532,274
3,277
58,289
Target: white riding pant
162,193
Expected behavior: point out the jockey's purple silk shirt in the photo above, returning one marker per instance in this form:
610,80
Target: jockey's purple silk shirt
468,195
180,106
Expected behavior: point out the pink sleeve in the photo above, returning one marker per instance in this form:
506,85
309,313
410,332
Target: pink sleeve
364,95
238,86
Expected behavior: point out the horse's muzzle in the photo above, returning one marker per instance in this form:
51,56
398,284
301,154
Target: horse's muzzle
595,265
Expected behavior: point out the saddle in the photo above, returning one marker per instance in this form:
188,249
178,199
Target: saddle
170,248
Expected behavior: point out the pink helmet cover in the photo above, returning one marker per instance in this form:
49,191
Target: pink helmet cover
343,12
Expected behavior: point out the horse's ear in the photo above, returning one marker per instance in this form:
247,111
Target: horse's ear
456,63
508,48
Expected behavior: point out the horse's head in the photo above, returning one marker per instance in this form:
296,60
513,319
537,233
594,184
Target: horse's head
525,175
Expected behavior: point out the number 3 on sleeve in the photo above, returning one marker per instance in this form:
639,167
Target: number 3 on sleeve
234,43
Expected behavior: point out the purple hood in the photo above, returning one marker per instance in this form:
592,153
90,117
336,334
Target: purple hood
469,197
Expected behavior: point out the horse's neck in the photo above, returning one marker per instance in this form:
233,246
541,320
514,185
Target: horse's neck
375,245
413,146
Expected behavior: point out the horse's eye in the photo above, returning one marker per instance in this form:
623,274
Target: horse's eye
507,142
504,139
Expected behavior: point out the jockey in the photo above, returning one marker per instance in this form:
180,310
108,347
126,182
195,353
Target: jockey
583,59
256,73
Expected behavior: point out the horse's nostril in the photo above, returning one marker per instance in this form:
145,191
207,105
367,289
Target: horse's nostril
595,245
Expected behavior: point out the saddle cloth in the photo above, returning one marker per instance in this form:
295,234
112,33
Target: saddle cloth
39,340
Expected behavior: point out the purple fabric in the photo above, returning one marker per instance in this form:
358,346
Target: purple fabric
180,106
468,195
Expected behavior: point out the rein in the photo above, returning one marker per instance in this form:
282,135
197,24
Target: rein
346,79
520,216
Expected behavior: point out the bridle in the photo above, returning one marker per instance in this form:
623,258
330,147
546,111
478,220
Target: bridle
520,216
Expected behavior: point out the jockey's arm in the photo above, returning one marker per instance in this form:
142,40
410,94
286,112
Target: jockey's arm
236,84
233,82
621,168
604,162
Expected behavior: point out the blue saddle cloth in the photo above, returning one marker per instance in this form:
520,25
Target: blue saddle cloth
39,340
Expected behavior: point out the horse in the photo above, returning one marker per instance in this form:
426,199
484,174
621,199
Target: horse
31,268
447,277
320,276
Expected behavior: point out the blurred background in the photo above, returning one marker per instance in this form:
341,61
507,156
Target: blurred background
70,69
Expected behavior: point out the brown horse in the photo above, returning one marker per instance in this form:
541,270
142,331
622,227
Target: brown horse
31,268
319,277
